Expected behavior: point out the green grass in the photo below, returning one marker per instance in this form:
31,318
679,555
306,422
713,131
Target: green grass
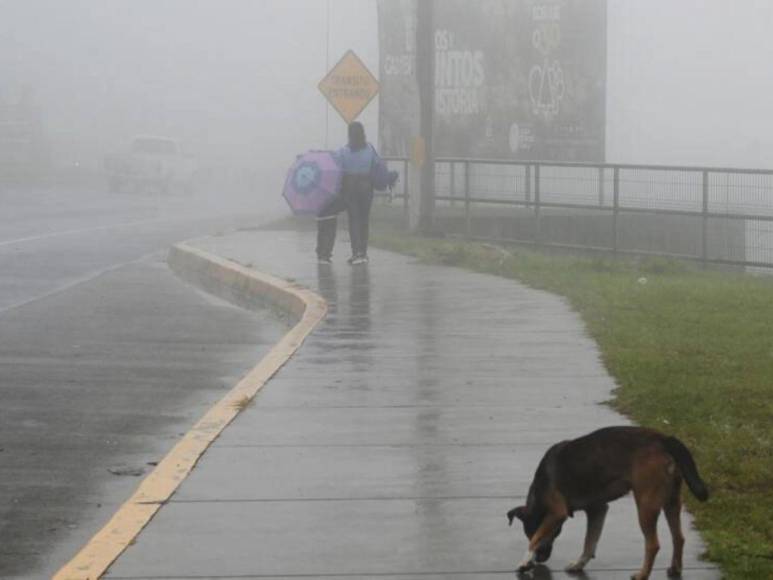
692,353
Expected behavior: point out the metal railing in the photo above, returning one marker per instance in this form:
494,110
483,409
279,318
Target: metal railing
712,214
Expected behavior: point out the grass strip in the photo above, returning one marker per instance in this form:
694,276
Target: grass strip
692,353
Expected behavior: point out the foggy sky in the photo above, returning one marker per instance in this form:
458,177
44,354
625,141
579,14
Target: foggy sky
689,82
236,80
233,80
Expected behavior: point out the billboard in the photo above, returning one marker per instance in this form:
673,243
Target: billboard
514,79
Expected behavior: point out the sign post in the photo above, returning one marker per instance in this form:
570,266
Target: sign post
349,86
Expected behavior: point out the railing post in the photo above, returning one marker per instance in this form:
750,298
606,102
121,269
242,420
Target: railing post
452,182
705,220
601,186
528,182
406,207
615,206
536,204
467,224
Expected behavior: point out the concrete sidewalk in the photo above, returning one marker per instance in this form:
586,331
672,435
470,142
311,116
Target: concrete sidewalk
394,442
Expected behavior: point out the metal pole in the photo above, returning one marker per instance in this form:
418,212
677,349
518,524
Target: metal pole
601,186
425,77
452,182
467,224
537,224
528,183
615,206
327,68
406,206
705,220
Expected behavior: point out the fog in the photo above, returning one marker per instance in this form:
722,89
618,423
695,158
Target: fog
108,354
236,81
688,82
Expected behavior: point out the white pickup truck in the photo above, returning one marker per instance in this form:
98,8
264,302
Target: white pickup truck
151,163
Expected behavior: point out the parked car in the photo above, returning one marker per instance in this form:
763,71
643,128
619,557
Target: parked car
151,162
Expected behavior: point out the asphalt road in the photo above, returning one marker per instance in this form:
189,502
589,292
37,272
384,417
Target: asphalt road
105,357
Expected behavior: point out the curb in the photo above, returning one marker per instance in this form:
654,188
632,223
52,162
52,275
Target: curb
245,287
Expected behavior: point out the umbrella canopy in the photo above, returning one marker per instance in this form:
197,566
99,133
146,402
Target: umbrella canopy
312,181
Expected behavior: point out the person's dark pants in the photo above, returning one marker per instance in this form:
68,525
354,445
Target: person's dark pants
358,207
327,224
357,191
356,198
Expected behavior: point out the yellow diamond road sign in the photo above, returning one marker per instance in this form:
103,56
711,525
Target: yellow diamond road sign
349,86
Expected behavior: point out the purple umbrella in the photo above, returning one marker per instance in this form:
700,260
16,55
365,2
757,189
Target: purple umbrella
312,181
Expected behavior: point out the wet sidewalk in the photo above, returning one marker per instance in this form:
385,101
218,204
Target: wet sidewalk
394,442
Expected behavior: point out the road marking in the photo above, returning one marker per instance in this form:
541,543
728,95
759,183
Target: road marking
76,282
192,218
86,230
94,274
155,490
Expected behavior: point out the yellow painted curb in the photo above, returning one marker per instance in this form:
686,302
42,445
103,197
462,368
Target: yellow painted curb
236,282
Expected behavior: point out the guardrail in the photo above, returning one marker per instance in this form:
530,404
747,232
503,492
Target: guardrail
712,214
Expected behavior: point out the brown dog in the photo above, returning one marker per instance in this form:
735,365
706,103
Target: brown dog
588,473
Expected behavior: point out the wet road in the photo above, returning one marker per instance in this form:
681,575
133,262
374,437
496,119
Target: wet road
105,356
51,238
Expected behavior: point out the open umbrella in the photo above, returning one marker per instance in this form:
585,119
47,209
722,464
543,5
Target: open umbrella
312,181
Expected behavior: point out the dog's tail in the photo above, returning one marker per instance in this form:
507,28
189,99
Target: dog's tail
686,463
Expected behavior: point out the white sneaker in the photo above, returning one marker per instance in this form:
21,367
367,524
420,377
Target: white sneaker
360,260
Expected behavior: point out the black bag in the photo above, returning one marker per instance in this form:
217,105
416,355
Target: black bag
380,176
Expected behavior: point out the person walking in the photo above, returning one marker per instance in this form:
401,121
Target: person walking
359,162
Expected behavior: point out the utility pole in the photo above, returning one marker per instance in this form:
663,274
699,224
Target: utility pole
425,78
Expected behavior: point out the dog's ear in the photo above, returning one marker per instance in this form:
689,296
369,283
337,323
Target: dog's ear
519,512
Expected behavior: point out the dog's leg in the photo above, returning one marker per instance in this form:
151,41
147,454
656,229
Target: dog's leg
673,509
529,559
545,531
596,516
649,509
